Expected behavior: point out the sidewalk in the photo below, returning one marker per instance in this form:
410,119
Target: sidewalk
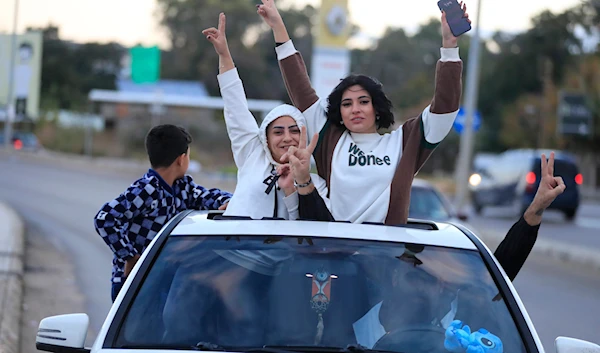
11,278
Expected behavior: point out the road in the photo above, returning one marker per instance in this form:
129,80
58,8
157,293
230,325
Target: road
61,202
584,231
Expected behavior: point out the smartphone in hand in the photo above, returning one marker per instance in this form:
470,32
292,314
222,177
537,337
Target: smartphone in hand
455,17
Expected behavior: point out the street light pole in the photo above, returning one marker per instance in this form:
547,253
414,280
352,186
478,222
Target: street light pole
10,104
466,140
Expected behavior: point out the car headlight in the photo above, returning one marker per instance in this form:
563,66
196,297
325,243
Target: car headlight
475,179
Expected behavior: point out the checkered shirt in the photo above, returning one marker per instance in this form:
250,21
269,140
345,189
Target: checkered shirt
129,223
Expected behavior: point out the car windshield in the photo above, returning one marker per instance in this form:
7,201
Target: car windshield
244,292
425,203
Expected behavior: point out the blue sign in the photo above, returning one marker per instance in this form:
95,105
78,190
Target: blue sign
461,119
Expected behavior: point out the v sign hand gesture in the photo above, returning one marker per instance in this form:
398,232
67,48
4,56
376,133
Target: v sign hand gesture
269,13
217,36
549,189
299,158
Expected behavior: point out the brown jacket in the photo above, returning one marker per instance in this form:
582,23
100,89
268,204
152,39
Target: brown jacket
416,150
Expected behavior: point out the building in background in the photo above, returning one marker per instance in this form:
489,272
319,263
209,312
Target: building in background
27,74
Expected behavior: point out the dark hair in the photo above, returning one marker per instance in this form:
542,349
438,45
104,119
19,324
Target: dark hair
164,143
26,45
381,103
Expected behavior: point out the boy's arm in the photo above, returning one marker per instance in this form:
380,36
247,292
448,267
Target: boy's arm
200,198
113,221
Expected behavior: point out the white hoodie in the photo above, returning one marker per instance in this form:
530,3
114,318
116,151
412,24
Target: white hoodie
253,157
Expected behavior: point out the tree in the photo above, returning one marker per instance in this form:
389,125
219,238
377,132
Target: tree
70,71
192,56
299,23
518,68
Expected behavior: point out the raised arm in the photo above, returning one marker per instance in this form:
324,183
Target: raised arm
439,117
518,242
241,125
293,69
422,135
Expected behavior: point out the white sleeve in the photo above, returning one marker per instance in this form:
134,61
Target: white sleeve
291,203
299,87
321,186
242,127
316,117
437,126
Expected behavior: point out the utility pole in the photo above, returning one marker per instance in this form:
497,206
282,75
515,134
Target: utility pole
545,111
10,104
463,167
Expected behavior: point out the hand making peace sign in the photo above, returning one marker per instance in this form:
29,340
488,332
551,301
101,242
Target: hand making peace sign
218,37
299,157
550,186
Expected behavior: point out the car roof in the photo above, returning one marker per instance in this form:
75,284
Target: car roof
446,235
422,183
536,154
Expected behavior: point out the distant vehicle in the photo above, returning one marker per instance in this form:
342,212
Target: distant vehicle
427,202
22,141
233,284
513,179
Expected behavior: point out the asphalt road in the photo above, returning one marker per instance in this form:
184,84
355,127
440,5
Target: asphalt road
583,231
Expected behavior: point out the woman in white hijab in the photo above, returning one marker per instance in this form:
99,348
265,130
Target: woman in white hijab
265,188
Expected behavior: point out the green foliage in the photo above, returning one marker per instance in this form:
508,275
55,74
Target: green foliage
511,74
70,71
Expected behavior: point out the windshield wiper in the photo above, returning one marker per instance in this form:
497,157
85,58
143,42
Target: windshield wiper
208,347
351,348
200,346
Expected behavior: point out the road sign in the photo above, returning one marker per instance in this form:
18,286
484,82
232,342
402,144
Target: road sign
574,115
461,120
145,64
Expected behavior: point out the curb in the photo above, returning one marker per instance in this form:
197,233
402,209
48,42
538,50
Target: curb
12,257
580,256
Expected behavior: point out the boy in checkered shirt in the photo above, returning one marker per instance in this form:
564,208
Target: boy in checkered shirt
129,223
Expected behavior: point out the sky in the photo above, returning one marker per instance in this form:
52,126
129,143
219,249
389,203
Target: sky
130,22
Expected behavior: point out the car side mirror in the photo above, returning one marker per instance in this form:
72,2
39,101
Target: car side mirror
572,345
63,334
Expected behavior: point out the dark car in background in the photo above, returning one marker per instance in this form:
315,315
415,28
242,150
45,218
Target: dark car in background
22,141
512,179
427,202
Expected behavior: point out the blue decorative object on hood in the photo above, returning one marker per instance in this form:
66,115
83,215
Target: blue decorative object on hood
460,339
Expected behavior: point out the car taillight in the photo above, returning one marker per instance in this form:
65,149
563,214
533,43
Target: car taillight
530,178
579,179
18,144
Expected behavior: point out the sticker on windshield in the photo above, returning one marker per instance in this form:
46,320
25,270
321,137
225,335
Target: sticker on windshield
460,339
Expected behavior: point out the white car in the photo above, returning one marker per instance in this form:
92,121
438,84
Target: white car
428,202
214,283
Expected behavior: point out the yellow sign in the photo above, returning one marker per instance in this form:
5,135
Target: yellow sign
334,29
